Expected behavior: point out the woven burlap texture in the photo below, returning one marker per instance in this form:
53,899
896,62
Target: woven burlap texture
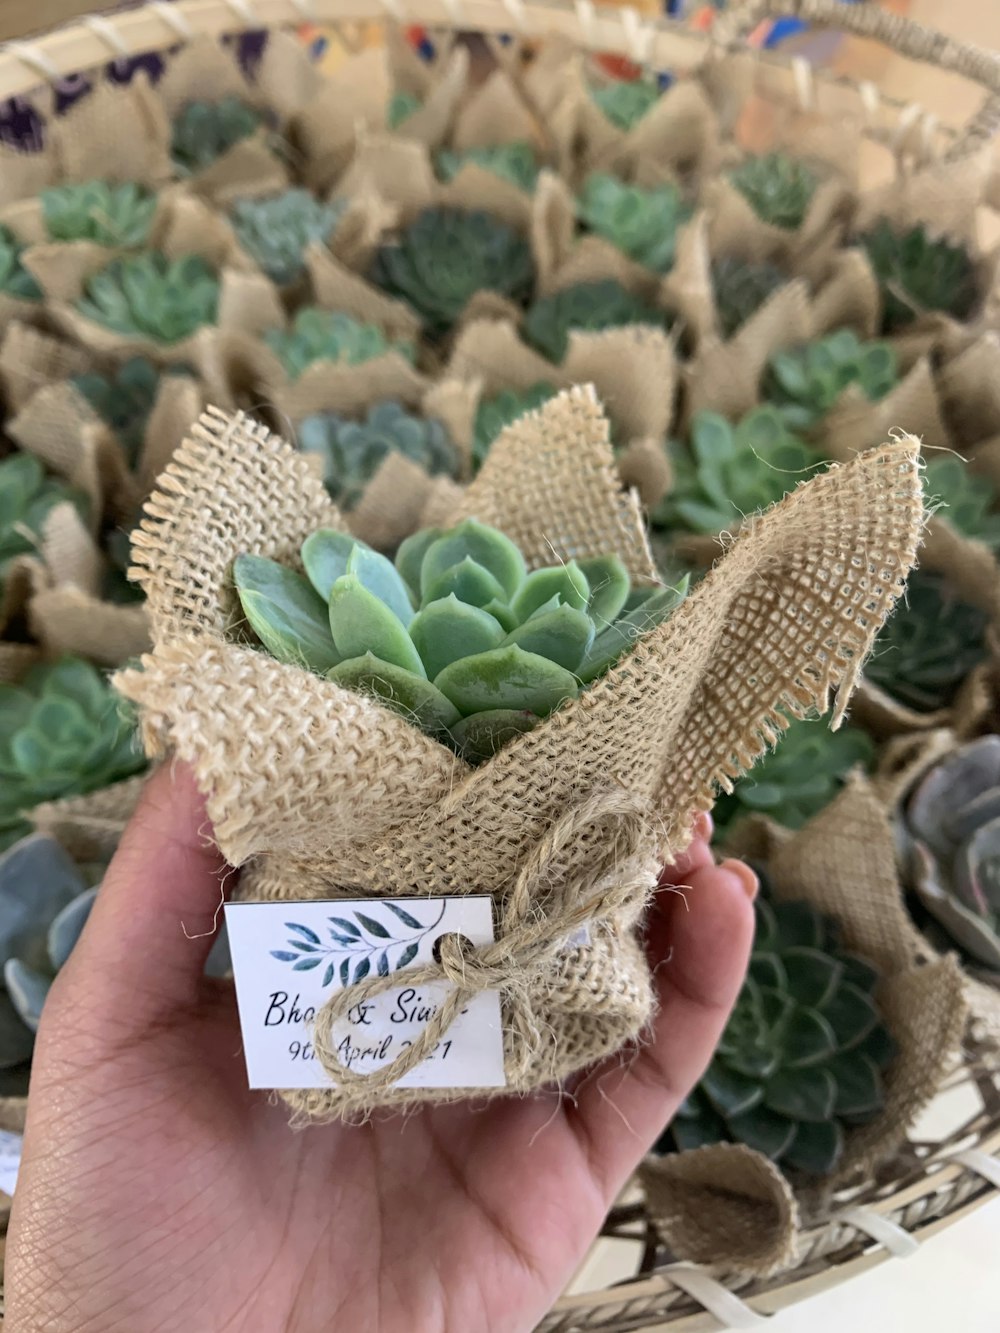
844,863
326,792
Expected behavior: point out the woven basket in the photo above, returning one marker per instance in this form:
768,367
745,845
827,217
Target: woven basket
928,1184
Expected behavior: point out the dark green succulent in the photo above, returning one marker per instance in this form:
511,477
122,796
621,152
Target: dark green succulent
804,383
779,188
275,232
641,223
588,307
917,273
457,635
801,1060
150,296
117,587
446,255
626,101
728,471
741,289
798,778
117,215
514,162
124,398
353,451
63,732
929,645
205,130
967,501
27,497
15,280
494,414
401,108
330,335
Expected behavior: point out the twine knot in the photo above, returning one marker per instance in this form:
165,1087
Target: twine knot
534,926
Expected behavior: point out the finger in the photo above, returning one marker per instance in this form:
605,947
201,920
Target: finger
699,943
154,919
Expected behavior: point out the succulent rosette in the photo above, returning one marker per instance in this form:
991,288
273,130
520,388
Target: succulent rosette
741,289
204,130
118,215
275,232
641,223
515,162
588,307
330,335
919,273
15,280
778,188
626,101
151,296
496,412
805,383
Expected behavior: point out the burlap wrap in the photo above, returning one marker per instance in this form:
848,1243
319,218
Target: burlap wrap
319,792
733,1203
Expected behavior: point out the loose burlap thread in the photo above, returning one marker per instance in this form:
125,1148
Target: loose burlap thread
319,792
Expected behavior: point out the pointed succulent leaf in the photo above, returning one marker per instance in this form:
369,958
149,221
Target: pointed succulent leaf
851,1014
502,614
319,335
802,1094
118,214
67,927
468,581
148,295
566,581
778,188
479,737
449,629
362,623
816,1147
765,1130
494,414
507,678
15,279
563,635
410,558
609,588
325,554
285,612
812,976
609,645
204,130
516,162
486,546
404,691
379,576
730,1092
741,289
641,222
276,231
918,272
589,307
859,1084
809,1039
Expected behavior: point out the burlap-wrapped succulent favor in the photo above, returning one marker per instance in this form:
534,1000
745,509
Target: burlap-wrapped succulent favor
557,766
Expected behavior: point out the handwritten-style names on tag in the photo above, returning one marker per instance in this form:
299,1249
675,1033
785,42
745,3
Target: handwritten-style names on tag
289,958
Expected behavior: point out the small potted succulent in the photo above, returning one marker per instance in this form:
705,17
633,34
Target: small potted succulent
27,497
778,188
150,297
642,223
967,502
16,283
275,231
329,335
588,307
117,215
805,383
515,162
498,410
741,288
919,274
204,131
124,399
624,102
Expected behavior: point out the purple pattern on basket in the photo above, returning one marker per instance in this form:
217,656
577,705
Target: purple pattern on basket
23,127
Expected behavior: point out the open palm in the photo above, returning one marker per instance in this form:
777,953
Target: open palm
158,1194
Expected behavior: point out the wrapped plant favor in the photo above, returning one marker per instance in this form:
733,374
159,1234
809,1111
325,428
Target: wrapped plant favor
322,792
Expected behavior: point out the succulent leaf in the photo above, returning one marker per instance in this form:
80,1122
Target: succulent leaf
804,383
479,737
124,399
485,545
119,215
27,497
204,130
515,162
325,554
401,690
276,232
401,107
778,188
152,296
330,335
588,307
448,629
626,101
362,623
15,280
496,413
918,273
641,223
286,613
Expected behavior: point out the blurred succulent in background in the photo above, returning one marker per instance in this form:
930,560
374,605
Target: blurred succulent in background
457,635
928,646
205,130
802,1057
351,452
495,413
797,779
515,162
951,838
728,471
108,213
275,232
446,255
63,732
588,307
917,273
778,188
15,280
967,501
401,108
804,383
124,398
148,295
330,335
626,101
641,223
741,289
27,497
116,586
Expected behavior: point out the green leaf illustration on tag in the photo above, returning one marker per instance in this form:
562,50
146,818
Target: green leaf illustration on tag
360,944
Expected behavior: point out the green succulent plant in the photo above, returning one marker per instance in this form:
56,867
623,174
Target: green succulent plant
918,273
446,255
641,223
496,413
108,213
457,635
63,732
741,289
330,335
275,232
15,280
626,101
928,645
798,778
27,497
779,188
401,108
204,130
588,307
352,451
801,1060
124,398
804,383
515,162
950,837
967,501
151,296
116,585
728,471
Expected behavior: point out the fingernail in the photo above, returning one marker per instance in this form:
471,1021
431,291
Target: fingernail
745,875
703,825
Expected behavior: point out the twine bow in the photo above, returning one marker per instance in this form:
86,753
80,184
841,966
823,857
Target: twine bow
533,929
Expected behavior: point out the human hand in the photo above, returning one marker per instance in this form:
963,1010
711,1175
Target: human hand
157,1193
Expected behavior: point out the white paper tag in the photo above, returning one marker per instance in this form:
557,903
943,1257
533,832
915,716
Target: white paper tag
10,1160
289,958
